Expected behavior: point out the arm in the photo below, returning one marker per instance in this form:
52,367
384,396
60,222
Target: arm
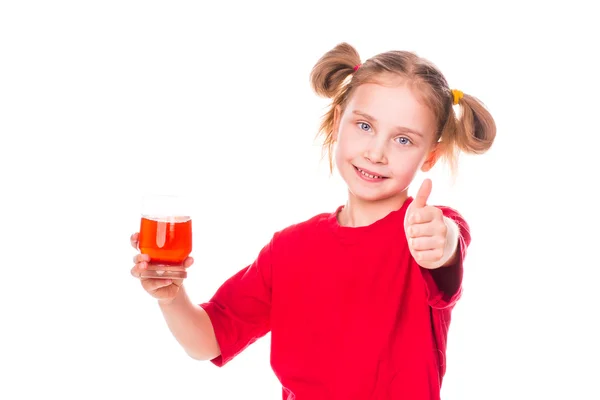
452,238
444,284
240,310
191,326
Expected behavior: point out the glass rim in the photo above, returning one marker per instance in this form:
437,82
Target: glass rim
166,217
172,195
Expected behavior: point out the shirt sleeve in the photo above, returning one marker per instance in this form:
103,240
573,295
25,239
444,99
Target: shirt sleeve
444,284
240,310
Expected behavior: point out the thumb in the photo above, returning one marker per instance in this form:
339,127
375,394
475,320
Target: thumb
423,194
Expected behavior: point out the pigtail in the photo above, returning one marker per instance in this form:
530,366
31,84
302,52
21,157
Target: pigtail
328,79
472,130
332,69
475,127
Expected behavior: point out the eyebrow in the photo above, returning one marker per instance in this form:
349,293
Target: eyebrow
400,128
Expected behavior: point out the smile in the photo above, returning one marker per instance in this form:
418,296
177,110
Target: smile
368,175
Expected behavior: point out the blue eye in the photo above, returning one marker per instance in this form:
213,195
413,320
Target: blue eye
364,126
403,140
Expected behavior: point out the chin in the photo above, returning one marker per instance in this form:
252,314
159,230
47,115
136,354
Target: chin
372,197
370,194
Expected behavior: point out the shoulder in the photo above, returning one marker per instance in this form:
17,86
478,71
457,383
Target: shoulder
458,218
302,235
451,212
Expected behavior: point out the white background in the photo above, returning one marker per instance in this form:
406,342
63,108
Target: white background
101,102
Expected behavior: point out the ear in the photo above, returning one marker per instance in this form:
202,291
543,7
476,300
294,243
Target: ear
337,115
432,157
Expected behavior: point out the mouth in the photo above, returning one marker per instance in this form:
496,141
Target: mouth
368,175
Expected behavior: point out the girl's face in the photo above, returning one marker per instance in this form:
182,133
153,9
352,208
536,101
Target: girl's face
383,137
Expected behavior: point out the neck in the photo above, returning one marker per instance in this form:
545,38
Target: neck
359,212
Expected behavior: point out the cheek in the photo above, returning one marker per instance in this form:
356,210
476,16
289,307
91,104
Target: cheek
342,156
343,146
349,143
406,163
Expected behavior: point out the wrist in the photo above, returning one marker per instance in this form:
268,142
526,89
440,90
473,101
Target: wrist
172,300
165,302
451,247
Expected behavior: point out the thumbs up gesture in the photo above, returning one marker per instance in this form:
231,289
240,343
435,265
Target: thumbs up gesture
432,237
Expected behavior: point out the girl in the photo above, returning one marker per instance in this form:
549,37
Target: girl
358,301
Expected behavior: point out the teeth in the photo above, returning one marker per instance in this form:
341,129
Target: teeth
369,175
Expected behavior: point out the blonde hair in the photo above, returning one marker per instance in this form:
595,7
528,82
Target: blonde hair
339,72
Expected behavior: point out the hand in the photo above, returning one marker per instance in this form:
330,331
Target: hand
432,238
164,290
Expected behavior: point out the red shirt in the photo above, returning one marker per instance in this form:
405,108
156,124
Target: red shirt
351,314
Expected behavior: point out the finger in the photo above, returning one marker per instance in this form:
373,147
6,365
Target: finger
427,243
134,240
426,229
135,271
138,258
429,255
423,194
420,216
138,268
424,215
151,284
188,262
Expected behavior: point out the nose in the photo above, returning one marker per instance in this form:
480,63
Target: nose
375,152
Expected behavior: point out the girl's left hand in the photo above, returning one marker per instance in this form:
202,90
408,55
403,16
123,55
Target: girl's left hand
432,237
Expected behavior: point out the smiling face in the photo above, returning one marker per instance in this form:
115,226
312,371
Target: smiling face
383,137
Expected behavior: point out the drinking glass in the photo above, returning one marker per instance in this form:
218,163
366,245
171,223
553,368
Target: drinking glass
165,235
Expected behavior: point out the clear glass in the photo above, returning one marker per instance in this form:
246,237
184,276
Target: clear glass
165,235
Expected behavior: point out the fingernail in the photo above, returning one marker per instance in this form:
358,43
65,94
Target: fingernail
143,265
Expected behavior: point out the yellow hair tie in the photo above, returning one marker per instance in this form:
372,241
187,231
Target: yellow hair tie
457,95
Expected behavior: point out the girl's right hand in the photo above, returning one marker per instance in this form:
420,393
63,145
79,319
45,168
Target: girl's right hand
164,290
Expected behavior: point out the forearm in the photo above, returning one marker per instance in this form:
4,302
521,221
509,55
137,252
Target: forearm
191,326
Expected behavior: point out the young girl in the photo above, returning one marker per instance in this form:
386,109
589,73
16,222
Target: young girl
358,300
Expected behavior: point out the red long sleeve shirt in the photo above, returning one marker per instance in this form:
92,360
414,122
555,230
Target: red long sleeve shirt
351,314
